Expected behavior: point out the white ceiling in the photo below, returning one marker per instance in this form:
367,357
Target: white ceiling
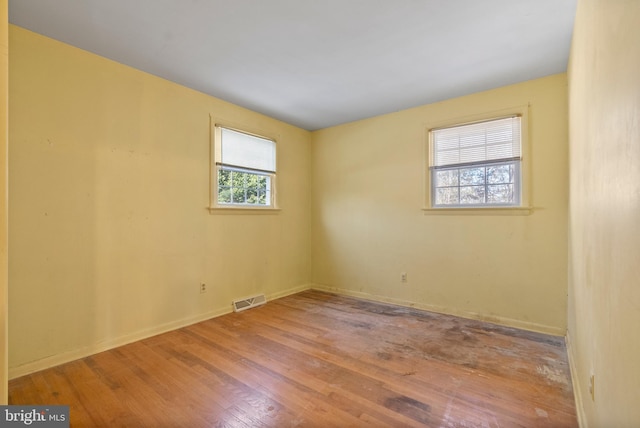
318,63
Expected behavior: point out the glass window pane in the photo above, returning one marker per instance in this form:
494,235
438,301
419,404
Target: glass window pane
500,174
242,187
238,195
239,178
472,175
472,195
500,194
224,194
447,178
224,177
252,196
254,181
447,196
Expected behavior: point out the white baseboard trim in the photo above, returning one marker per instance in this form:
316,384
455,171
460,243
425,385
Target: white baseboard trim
508,322
288,292
65,357
575,381
55,360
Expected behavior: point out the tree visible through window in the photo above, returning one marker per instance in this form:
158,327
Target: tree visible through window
241,187
476,164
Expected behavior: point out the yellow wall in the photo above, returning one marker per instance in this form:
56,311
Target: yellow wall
4,81
604,263
368,225
110,235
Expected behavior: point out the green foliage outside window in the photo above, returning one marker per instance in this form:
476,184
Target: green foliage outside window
241,187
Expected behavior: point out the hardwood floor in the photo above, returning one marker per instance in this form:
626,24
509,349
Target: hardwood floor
318,359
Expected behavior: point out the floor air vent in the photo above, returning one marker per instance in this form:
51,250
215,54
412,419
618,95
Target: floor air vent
251,302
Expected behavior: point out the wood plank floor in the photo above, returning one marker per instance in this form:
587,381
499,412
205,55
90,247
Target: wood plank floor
318,360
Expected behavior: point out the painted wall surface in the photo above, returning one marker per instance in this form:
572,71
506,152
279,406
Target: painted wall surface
110,234
604,263
4,210
368,224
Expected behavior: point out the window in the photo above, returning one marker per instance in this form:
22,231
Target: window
244,170
476,164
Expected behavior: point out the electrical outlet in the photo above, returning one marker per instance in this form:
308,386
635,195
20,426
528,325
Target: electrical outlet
403,277
592,387
203,288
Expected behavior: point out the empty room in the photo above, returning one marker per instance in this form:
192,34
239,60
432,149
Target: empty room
339,213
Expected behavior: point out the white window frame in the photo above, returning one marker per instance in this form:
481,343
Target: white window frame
217,164
522,181
515,164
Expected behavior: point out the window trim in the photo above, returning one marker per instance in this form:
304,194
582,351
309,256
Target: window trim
523,208
215,152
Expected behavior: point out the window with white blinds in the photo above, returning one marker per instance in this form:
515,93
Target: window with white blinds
494,140
242,150
476,164
245,169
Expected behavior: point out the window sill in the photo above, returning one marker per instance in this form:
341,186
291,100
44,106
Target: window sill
243,210
479,211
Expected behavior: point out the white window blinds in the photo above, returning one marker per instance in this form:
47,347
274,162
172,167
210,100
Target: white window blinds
482,142
242,150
